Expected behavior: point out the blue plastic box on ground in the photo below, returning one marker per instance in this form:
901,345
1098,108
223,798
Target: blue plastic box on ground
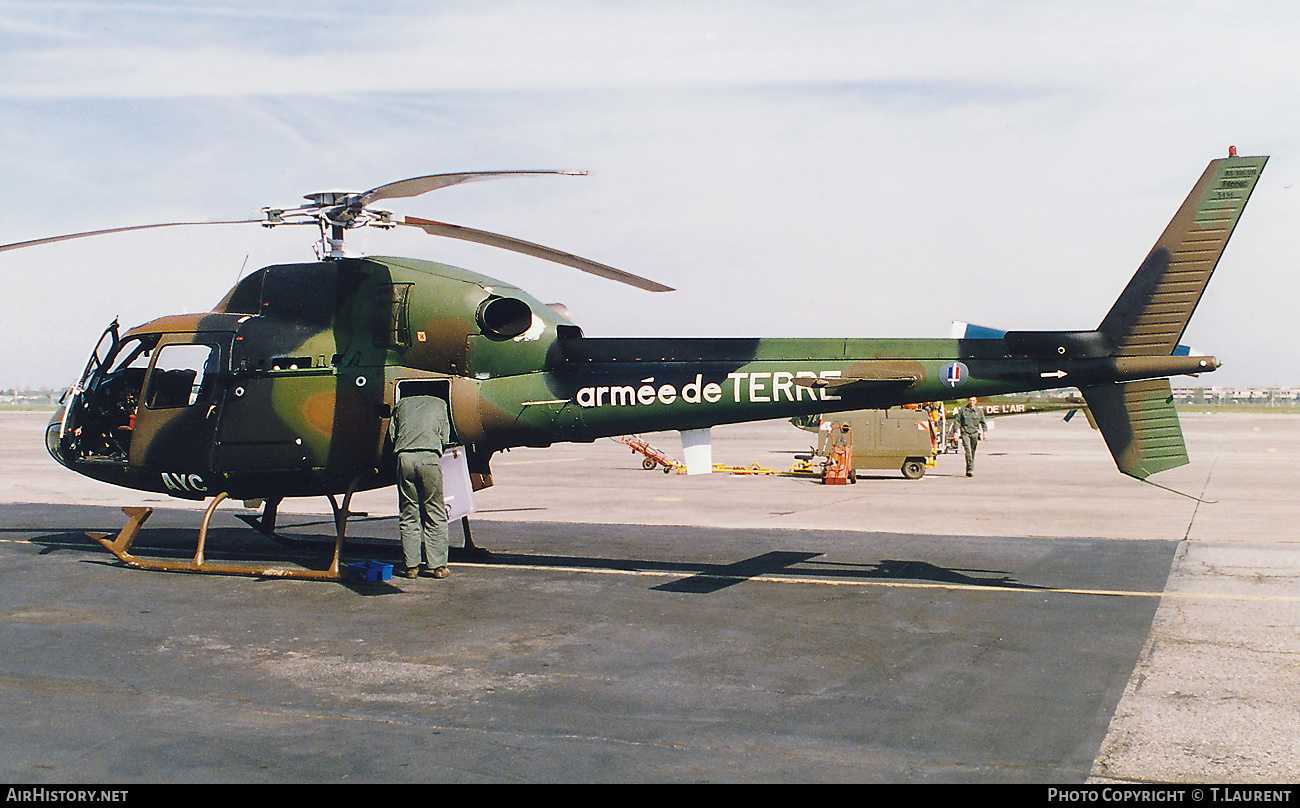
370,571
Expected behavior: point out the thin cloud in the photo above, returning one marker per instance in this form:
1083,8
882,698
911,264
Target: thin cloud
1007,163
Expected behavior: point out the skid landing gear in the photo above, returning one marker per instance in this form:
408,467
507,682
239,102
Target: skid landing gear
120,546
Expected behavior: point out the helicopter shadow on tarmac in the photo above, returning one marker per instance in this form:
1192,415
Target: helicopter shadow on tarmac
704,578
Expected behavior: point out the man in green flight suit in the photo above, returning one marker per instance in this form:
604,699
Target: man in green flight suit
970,420
420,428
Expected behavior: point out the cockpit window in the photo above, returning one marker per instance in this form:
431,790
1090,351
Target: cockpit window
117,374
107,342
101,414
182,376
133,353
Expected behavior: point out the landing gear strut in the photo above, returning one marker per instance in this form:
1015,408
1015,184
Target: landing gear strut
120,546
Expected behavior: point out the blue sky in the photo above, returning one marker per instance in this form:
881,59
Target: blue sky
821,168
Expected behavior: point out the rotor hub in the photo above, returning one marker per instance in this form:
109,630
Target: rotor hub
323,199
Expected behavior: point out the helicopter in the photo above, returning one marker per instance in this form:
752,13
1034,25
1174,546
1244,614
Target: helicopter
286,387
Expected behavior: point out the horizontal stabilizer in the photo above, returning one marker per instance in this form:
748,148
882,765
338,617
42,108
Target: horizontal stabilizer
1140,425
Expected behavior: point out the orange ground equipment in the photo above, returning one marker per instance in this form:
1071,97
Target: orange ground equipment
653,457
838,469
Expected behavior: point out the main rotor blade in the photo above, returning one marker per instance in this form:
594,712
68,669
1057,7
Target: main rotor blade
70,236
536,250
423,185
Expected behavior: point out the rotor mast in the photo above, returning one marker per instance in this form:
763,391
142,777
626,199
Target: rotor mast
334,212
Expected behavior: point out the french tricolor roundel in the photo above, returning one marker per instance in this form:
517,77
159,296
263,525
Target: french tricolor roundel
954,374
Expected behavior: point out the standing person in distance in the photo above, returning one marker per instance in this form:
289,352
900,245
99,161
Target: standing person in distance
970,421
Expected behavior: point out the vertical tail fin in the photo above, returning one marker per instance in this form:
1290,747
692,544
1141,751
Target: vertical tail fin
1151,314
1138,419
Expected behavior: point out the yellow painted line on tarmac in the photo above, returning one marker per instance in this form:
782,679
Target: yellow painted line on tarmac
781,579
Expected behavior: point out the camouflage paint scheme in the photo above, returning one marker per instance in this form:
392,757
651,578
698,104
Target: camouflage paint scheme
307,359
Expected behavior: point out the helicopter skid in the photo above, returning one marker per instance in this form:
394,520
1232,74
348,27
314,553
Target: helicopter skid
121,545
